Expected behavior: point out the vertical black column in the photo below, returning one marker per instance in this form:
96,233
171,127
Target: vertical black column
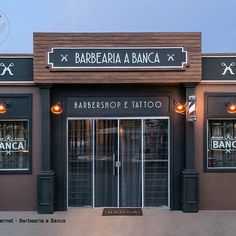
46,177
45,101
190,183
190,90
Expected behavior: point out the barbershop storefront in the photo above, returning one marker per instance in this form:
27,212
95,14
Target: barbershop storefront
112,146
117,120
118,153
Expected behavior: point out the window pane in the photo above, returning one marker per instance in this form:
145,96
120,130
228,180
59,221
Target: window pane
221,144
79,162
106,137
131,163
156,162
14,145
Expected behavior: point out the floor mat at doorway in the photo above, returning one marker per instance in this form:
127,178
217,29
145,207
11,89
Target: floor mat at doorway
122,212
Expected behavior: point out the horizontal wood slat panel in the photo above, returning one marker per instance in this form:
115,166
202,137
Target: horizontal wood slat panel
43,42
115,41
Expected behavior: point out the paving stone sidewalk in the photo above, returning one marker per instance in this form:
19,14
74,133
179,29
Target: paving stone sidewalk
90,222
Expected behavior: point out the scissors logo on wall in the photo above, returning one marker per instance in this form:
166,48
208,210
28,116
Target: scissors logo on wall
7,69
228,68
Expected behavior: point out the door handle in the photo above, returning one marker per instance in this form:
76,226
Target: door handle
114,164
118,164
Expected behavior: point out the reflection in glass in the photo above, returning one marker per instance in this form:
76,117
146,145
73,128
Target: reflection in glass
80,163
156,162
105,163
14,145
118,148
131,163
219,130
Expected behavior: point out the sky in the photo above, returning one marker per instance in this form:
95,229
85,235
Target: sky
216,19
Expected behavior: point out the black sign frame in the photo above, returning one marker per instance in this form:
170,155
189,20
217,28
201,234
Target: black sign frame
148,106
219,68
16,69
158,58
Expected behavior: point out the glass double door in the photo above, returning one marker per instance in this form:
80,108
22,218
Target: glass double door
118,162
